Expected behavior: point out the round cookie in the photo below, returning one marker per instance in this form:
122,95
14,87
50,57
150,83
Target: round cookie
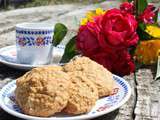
95,72
43,91
83,94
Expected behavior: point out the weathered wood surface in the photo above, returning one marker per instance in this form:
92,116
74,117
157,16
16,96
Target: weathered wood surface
144,103
148,95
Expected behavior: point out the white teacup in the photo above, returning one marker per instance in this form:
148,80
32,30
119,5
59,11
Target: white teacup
34,43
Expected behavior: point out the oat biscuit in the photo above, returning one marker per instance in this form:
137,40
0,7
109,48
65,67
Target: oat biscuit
100,76
83,94
43,91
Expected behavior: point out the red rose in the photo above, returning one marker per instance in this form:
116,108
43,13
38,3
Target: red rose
87,39
119,29
123,63
104,58
148,15
106,40
127,7
118,62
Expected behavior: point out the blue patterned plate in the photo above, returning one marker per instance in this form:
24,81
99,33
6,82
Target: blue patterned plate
8,57
121,94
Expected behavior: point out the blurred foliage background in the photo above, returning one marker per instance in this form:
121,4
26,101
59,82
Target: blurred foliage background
50,2
13,4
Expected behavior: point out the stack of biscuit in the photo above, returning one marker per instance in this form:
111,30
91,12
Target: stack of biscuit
73,88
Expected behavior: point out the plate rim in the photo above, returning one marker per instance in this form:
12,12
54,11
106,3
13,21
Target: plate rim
18,65
81,117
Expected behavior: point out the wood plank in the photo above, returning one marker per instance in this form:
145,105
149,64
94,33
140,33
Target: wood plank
148,92
126,111
9,19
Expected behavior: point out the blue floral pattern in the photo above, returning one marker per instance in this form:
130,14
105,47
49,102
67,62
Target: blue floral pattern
34,32
33,38
31,41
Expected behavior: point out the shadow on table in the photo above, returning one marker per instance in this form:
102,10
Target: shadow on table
152,67
6,116
109,116
7,72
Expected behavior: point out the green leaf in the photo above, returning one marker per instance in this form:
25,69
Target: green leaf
130,0
60,32
132,50
138,65
143,35
156,16
140,6
70,50
142,26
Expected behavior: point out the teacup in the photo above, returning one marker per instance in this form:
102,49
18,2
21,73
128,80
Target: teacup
34,43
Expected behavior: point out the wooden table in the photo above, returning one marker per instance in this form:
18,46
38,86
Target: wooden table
144,103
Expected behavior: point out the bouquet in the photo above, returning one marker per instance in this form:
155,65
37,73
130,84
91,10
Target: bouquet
110,37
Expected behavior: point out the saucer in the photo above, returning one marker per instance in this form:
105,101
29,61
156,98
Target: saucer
121,94
8,56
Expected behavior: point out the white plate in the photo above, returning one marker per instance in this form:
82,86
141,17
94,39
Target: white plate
8,57
103,106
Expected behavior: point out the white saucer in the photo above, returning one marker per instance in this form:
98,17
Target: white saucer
120,95
9,58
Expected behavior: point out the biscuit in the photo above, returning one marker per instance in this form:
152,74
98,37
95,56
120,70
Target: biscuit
83,94
95,72
43,91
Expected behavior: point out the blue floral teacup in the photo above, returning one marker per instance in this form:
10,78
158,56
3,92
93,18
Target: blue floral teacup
34,43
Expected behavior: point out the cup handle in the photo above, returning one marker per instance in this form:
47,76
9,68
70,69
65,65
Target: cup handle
50,56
